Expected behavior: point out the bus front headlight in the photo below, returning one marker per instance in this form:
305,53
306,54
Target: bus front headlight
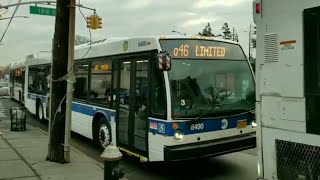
178,135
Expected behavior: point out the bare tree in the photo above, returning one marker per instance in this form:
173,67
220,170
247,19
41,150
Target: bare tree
81,40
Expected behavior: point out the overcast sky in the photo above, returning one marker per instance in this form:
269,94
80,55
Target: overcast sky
124,18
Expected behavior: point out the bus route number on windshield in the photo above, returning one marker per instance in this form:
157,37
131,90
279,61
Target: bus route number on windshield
199,51
197,126
183,50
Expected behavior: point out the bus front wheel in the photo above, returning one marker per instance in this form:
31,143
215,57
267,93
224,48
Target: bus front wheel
102,133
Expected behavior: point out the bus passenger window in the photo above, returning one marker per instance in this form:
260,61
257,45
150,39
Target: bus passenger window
32,76
81,85
38,80
100,89
158,94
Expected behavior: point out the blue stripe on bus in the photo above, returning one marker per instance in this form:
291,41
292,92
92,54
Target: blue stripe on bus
209,125
90,110
162,127
80,108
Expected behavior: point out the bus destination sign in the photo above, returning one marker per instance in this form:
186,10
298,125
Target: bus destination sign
202,49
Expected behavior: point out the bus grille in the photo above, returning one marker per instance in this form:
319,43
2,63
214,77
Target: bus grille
297,161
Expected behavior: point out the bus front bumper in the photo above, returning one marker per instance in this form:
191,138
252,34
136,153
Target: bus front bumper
210,148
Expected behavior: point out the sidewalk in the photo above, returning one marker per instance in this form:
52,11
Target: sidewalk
22,156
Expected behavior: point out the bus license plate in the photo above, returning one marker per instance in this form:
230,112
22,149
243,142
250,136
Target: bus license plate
242,124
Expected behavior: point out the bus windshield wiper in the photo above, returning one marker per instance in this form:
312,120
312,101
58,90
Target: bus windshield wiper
205,113
215,105
249,111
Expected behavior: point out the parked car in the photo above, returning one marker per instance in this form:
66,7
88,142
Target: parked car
4,89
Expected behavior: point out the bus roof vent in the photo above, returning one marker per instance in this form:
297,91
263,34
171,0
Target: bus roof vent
271,52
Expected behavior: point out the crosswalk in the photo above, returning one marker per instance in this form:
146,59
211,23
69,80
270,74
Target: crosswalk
2,112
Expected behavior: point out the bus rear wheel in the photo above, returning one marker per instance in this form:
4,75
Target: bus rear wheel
102,133
39,113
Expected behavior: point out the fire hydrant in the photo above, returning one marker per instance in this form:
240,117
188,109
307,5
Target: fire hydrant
111,157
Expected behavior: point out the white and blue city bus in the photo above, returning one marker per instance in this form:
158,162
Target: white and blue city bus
203,106
17,80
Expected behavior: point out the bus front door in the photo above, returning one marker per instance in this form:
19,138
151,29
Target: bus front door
133,106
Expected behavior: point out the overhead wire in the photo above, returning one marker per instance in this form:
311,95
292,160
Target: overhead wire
88,29
15,11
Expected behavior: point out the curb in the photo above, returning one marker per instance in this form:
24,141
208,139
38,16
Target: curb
75,149
91,160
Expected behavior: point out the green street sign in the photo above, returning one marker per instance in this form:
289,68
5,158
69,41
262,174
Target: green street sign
42,11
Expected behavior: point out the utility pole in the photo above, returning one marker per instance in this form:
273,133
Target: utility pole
71,80
58,88
250,43
232,33
236,37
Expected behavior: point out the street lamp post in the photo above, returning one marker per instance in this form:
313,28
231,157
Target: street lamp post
249,43
179,33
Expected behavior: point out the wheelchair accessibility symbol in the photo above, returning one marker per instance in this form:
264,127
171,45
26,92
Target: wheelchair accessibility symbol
161,128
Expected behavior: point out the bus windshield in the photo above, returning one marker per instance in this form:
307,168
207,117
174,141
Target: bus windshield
197,85
207,73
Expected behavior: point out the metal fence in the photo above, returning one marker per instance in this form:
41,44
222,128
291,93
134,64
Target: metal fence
297,161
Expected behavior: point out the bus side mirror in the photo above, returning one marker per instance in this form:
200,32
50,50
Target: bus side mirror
164,61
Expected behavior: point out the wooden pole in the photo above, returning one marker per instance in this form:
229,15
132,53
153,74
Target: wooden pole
59,69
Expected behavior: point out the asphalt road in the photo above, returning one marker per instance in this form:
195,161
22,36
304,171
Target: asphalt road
235,166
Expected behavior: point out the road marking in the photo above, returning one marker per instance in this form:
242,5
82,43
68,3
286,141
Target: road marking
2,111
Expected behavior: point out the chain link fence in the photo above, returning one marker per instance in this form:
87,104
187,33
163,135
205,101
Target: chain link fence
297,161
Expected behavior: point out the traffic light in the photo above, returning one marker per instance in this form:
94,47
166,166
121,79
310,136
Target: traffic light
94,22
99,25
90,22
97,22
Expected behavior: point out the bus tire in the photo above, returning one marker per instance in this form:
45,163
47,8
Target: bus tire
20,100
102,133
39,111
